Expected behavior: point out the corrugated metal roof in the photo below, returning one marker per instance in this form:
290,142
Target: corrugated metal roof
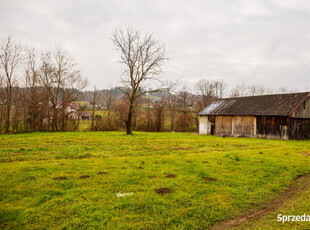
268,105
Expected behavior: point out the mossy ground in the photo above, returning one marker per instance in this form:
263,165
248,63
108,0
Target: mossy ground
248,172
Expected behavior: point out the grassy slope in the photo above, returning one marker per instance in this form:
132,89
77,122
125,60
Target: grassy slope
248,171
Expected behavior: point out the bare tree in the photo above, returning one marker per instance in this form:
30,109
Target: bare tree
47,70
254,90
209,90
239,91
109,100
172,101
16,112
219,88
69,80
121,111
159,111
205,89
10,59
63,84
95,99
148,114
185,102
32,96
142,58
2,102
287,90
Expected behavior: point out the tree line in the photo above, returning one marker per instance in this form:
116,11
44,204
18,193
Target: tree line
36,88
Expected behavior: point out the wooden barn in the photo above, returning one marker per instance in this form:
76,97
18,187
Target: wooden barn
278,116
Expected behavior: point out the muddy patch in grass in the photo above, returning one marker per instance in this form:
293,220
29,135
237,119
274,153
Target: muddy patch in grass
163,191
84,176
82,156
102,173
205,162
210,178
152,176
140,167
171,176
60,178
182,148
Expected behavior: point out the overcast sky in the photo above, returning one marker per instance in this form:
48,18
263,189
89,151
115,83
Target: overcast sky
254,42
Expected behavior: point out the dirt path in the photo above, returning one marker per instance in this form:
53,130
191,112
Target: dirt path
299,185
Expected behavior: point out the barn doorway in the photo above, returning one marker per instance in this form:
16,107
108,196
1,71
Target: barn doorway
212,128
212,124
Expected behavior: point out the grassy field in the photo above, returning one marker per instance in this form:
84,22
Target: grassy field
299,205
71,180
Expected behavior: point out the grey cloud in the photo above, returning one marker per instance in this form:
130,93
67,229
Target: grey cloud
255,42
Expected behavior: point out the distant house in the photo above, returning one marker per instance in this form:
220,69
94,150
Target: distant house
279,116
73,116
72,111
86,116
75,106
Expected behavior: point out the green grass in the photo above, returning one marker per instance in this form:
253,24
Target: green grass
248,172
298,205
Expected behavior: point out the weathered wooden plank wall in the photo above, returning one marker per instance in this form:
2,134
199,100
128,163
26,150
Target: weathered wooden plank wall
303,110
243,126
238,126
223,125
299,129
274,127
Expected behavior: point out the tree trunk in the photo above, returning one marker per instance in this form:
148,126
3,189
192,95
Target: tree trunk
129,119
108,108
63,114
63,121
8,109
49,120
55,120
93,117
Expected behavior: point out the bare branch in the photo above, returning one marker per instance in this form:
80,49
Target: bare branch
142,58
